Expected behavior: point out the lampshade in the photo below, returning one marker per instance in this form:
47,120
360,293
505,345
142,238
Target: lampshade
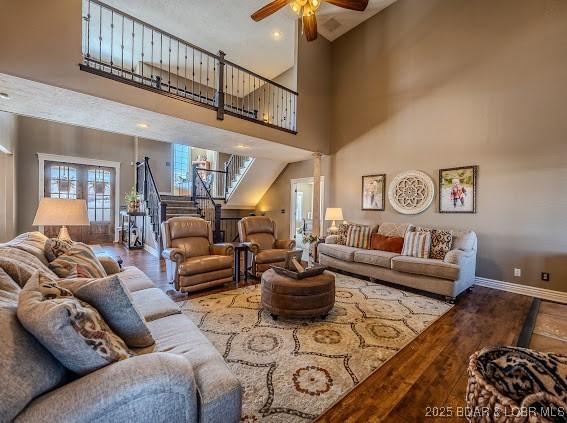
61,212
334,213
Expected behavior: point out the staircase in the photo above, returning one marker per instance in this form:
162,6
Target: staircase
179,206
209,188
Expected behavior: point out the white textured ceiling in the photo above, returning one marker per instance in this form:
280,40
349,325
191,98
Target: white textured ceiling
226,25
223,25
43,101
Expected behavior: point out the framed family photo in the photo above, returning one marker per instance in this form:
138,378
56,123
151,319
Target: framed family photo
458,189
373,192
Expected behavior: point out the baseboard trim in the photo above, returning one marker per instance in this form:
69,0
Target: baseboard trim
151,250
532,291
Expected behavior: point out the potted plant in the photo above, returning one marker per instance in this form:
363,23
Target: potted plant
311,241
133,201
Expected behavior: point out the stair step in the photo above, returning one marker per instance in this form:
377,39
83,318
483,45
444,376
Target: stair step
181,215
168,197
178,203
178,209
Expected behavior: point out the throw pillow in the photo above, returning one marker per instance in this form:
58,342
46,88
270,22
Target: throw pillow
72,330
417,244
20,265
392,244
55,247
79,262
110,297
358,236
31,242
394,229
441,242
342,233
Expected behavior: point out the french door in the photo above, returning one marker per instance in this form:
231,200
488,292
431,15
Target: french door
96,185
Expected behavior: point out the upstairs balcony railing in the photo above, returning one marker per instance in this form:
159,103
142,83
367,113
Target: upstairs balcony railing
124,48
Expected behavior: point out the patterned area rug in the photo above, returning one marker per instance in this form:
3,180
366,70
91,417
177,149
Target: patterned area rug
293,370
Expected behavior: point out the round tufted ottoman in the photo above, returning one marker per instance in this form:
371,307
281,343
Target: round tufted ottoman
298,298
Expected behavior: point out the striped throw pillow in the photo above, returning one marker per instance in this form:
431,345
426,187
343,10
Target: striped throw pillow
78,262
358,236
417,244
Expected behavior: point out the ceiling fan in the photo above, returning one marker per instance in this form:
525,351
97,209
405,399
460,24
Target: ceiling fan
306,10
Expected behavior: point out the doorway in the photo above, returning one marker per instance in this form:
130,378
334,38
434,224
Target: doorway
94,181
301,209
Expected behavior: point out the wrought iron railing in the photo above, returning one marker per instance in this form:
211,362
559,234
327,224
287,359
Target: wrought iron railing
234,168
124,48
206,205
147,188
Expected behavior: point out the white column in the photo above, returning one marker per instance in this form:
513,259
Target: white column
317,194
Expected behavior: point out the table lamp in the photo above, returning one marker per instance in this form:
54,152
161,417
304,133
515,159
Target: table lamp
333,214
61,212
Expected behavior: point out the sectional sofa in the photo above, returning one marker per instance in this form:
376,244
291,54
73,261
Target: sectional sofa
182,378
448,277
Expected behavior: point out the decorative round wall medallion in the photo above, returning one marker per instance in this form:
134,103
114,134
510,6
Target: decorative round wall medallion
411,192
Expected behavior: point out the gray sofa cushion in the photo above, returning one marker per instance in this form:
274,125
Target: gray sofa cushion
135,279
9,291
154,304
73,331
218,389
375,257
427,267
110,297
341,252
27,369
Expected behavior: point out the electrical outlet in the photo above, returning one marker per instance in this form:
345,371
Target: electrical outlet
518,272
545,276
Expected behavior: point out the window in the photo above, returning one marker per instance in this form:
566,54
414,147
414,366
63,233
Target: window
63,182
181,169
98,195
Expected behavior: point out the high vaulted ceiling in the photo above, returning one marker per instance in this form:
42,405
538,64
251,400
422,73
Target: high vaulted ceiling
226,25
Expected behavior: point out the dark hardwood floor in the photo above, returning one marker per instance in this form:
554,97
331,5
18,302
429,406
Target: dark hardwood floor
429,372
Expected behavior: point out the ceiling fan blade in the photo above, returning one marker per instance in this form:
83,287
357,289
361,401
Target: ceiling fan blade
310,27
358,5
268,9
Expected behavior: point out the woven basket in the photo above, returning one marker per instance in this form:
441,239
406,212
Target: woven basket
494,407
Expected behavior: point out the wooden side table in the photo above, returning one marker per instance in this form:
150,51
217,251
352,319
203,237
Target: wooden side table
240,250
128,224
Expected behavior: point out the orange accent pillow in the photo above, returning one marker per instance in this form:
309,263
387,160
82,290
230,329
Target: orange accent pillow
393,244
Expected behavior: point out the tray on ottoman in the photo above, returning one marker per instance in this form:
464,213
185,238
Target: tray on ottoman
312,271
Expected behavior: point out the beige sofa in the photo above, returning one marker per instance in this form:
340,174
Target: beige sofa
448,277
182,378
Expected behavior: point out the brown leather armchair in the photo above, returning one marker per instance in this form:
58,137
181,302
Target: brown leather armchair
260,232
192,261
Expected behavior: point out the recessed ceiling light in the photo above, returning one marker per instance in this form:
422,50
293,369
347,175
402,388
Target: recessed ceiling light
242,147
277,35
143,125
5,96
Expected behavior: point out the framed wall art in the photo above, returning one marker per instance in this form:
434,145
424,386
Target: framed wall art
373,192
458,189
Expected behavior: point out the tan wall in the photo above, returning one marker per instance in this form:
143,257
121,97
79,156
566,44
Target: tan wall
41,41
160,161
8,192
41,136
278,196
429,84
